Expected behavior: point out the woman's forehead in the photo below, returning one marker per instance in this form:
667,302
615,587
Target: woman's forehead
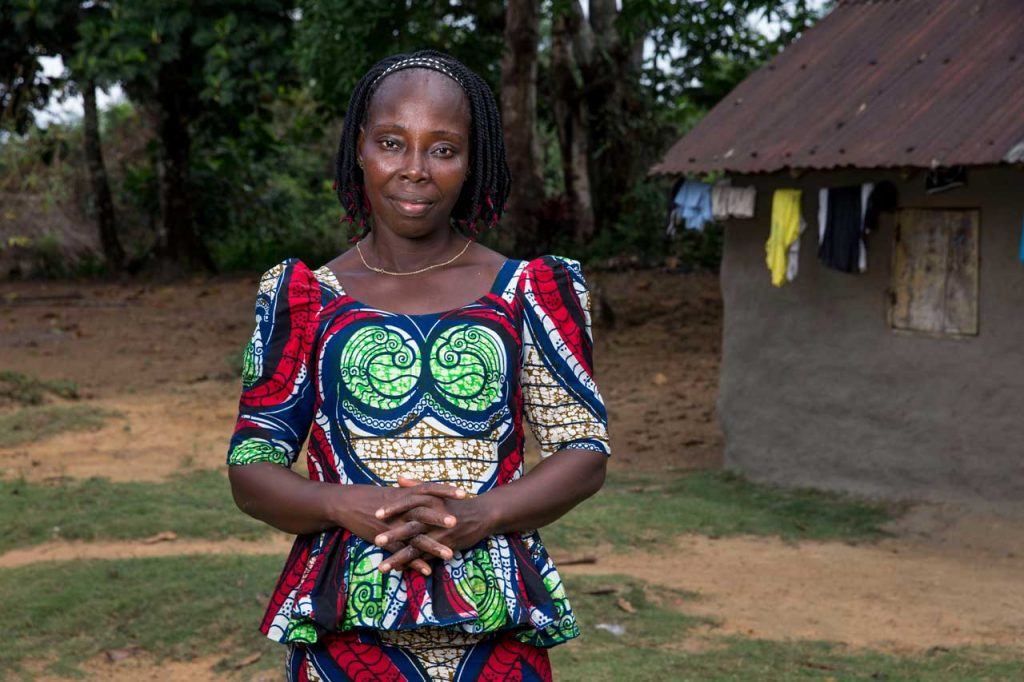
421,97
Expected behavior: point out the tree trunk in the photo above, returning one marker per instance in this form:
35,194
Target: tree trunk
112,250
183,245
610,73
570,111
519,119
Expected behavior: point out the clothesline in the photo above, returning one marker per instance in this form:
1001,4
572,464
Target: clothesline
846,216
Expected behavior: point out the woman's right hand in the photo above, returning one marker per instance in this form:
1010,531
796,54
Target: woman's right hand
355,507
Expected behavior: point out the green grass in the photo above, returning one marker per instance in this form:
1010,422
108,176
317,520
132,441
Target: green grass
630,512
22,389
197,504
178,607
645,512
36,423
184,607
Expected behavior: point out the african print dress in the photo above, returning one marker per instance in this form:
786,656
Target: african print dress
441,397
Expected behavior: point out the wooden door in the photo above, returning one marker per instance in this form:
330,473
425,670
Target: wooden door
935,272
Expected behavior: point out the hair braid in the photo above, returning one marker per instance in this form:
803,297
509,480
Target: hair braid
485,192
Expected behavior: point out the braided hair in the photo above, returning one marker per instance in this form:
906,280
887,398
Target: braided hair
485,192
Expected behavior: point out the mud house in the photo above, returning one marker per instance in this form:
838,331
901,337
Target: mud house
906,379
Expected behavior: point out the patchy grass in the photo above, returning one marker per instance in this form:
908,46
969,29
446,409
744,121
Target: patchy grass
21,389
630,512
177,607
642,512
37,423
197,504
184,607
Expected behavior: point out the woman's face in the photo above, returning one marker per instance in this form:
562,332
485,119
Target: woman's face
414,146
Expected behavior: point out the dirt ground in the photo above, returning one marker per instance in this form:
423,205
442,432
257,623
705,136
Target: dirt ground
160,356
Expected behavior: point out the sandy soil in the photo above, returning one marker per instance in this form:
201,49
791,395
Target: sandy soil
159,356
895,596
278,543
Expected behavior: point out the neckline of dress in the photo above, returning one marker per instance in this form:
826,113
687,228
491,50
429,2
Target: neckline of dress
498,283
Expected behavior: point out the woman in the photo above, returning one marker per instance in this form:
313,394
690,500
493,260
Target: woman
414,358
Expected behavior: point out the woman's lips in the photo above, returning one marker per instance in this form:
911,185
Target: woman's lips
412,209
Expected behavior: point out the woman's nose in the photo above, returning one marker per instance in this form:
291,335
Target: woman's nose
416,169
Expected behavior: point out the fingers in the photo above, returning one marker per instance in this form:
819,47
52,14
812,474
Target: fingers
416,564
429,545
399,533
399,559
443,490
431,517
404,505
420,495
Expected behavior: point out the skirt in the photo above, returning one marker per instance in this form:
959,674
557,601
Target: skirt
422,654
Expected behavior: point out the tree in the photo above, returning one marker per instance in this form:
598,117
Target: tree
33,30
203,70
519,119
617,109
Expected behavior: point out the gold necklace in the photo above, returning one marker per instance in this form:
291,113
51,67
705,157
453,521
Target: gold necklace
414,272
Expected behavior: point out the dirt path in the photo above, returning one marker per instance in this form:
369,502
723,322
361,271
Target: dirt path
900,595
134,549
140,666
896,596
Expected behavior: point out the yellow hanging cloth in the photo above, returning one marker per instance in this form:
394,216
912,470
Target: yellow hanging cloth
785,231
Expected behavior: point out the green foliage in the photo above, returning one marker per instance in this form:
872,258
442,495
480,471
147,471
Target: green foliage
265,202
260,87
643,512
32,424
197,505
339,40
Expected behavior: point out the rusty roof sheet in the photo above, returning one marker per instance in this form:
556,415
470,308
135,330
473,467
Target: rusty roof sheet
876,83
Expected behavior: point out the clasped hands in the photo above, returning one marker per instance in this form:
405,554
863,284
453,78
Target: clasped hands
423,519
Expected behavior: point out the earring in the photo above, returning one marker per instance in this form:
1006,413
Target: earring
360,162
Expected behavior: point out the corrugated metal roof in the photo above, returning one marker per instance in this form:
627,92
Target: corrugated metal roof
876,83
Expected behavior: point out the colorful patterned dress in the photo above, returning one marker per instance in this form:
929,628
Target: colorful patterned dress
441,396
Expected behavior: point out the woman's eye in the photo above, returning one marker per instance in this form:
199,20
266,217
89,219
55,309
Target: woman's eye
386,142
446,151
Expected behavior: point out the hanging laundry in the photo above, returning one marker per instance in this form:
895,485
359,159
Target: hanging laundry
785,230
846,215
793,254
862,250
692,206
732,202
1022,242
840,233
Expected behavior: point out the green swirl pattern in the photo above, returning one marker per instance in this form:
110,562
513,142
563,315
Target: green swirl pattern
255,450
380,365
249,373
480,588
364,607
467,364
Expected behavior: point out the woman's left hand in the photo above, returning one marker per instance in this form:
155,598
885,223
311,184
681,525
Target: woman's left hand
473,524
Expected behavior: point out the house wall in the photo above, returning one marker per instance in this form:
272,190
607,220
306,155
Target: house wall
817,390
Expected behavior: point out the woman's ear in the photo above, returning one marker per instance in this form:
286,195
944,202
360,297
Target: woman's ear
359,147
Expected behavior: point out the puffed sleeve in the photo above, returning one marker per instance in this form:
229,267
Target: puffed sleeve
275,410
561,401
